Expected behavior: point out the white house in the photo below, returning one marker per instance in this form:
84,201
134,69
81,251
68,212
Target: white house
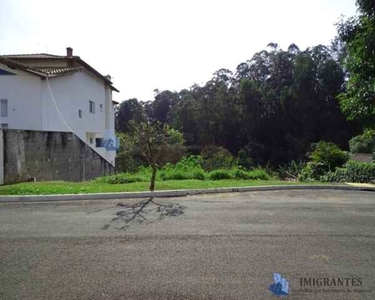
58,93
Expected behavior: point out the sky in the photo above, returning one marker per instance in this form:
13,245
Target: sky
165,44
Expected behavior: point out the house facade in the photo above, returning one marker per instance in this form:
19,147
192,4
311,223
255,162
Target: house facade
47,92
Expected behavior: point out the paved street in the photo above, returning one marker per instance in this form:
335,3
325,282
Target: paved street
225,246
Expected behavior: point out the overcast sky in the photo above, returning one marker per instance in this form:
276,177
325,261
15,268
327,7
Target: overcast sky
164,44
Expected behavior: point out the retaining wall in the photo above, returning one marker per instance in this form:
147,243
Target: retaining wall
47,156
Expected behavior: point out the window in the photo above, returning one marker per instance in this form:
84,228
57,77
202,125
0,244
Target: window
4,125
101,107
4,108
91,140
80,113
99,142
92,107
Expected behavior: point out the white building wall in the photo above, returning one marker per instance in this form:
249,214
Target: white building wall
23,92
72,93
30,106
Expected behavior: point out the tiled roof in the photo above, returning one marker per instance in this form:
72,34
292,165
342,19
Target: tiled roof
16,61
36,56
57,70
41,70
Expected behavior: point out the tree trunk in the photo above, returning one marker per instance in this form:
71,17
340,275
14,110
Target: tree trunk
153,177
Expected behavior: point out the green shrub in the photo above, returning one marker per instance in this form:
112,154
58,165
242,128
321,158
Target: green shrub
198,174
326,157
220,175
290,170
191,162
121,178
128,159
241,174
352,171
187,168
173,175
364,143
215,158
257,174
245,160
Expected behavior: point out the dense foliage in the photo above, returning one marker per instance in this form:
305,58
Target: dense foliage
267,112
352,171
325,157
357,35
188,168
364,143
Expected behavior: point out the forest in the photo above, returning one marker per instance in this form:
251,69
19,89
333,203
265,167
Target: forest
279,108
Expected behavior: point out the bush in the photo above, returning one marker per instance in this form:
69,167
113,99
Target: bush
187,168
121,178
128,159
326,157
191,162
364,143
291,169
353,171
220,175
173,175
245,160
257,174
215,158
198,174
241,174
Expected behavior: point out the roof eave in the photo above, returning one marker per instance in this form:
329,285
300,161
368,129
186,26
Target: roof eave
114,89
87,66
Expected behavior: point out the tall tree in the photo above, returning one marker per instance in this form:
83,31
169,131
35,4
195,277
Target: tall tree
358,100
129,110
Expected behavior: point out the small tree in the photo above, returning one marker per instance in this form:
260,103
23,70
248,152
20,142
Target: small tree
325,157
158,144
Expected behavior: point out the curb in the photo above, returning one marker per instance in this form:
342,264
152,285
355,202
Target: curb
177,193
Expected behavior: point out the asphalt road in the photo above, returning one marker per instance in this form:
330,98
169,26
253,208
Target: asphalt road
225,246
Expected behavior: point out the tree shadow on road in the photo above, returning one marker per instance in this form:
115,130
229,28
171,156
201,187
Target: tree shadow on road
143,211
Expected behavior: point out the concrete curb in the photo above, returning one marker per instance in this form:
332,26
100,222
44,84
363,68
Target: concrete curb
177,193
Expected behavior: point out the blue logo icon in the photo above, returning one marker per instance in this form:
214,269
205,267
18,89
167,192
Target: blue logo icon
111,142
280,287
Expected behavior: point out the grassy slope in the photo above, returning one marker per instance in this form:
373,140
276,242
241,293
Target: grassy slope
44,188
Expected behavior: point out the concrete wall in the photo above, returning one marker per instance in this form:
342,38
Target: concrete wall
48,156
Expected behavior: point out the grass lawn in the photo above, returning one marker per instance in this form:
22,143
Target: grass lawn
60,187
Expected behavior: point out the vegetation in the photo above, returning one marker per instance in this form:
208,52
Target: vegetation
266,112
271,112
46,188
158,144
291,170
325,157
364,143
357,36
353,171
271,108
